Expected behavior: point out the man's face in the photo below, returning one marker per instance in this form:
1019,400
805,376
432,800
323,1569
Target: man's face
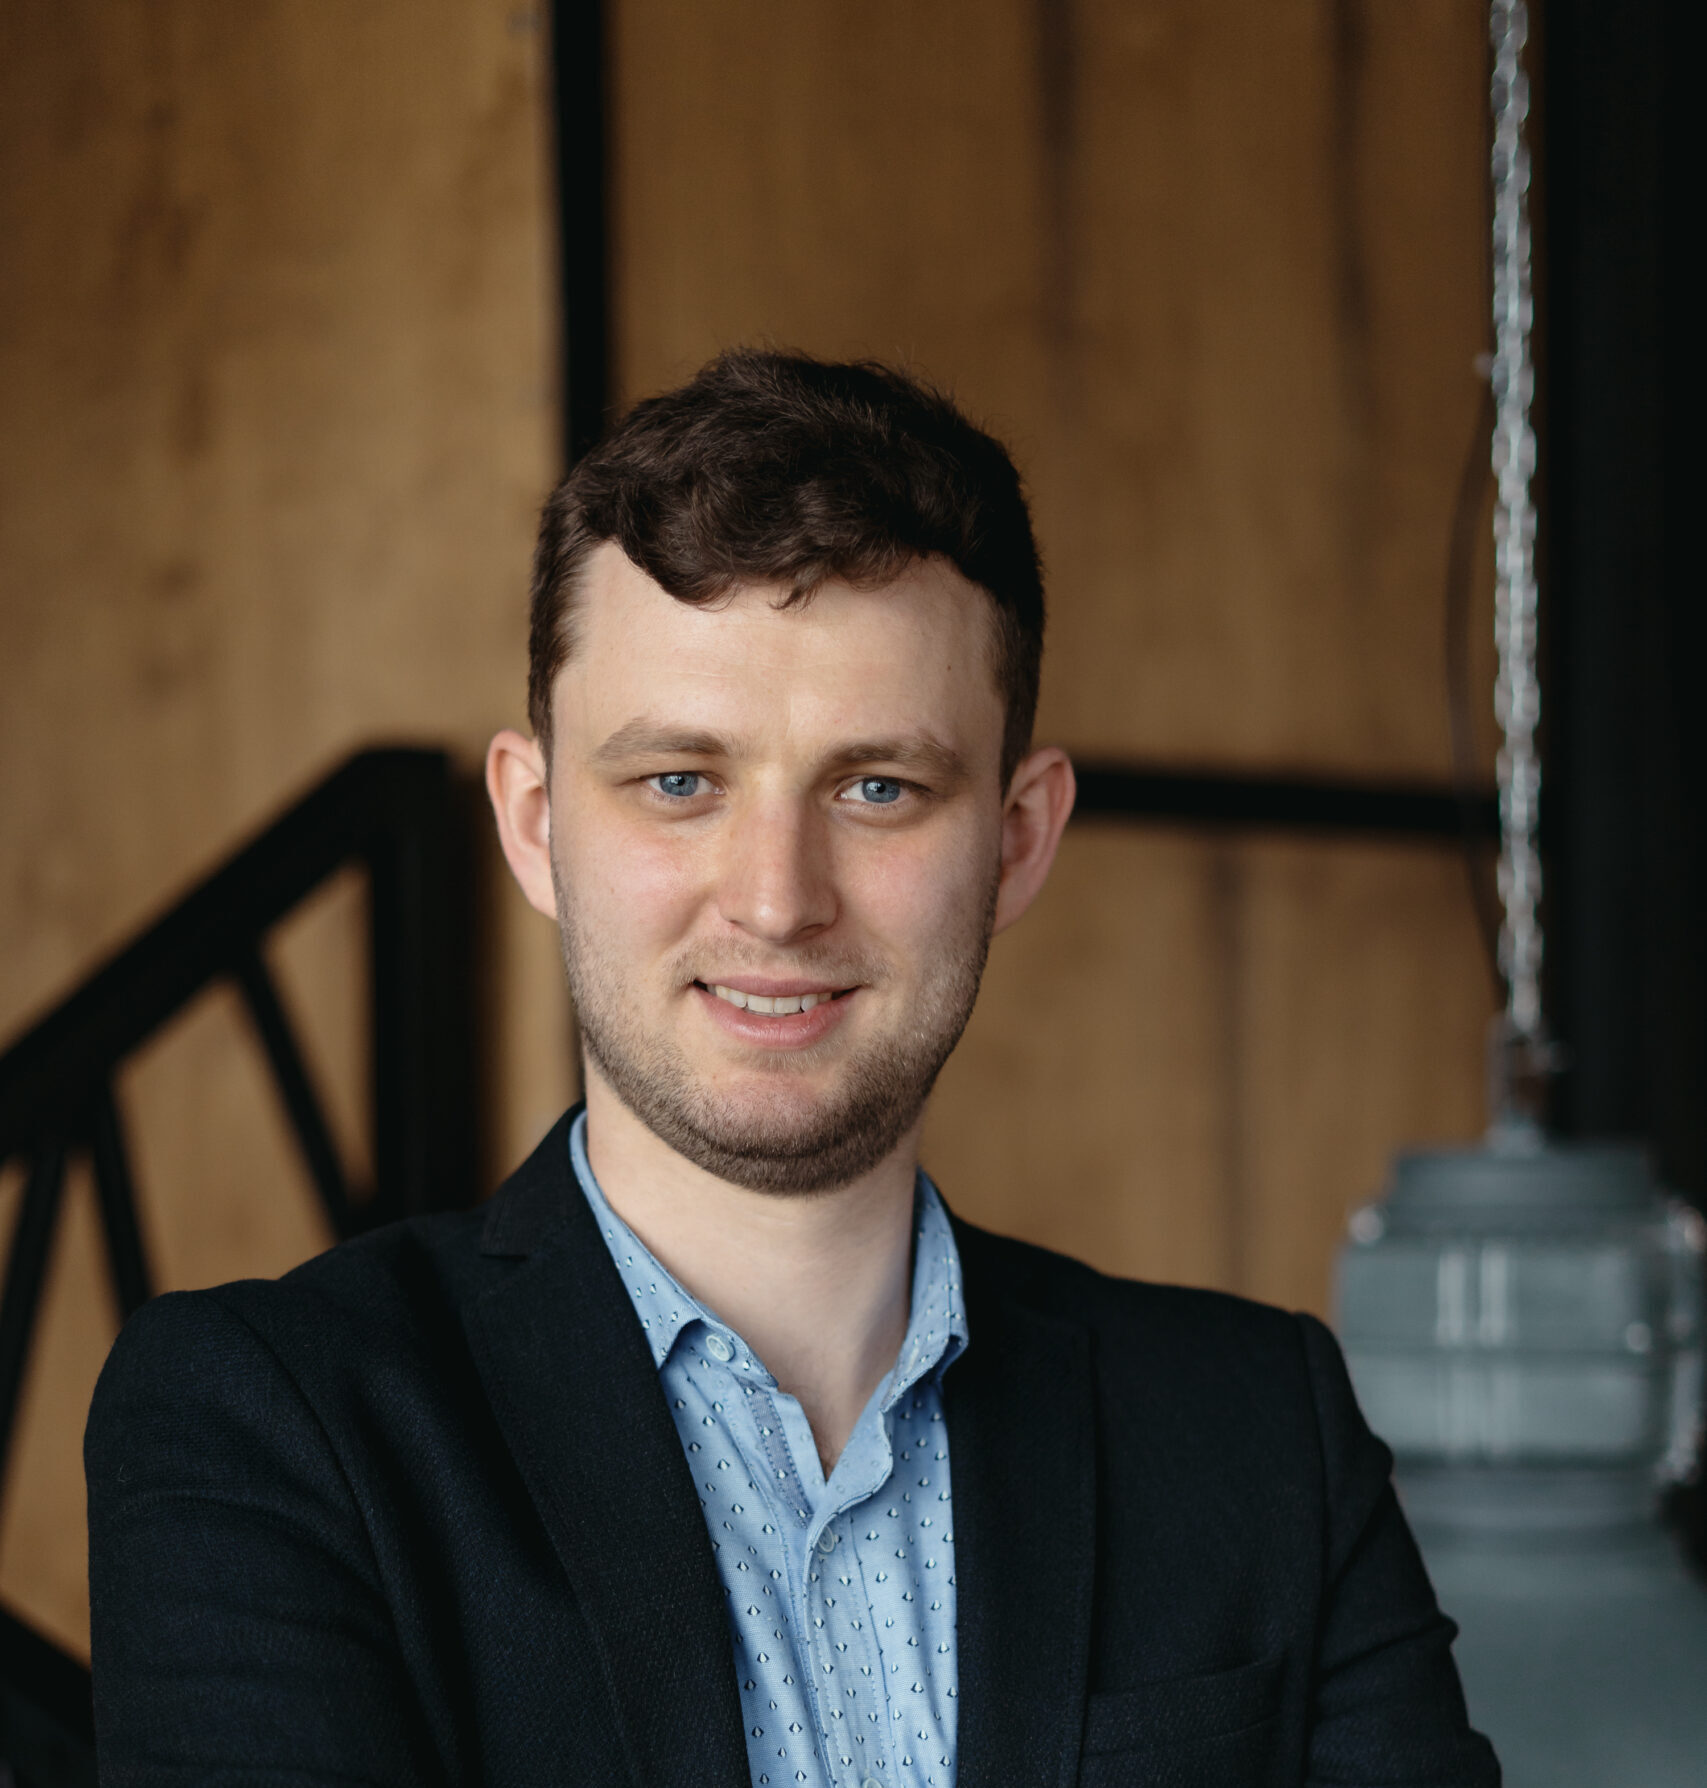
776,840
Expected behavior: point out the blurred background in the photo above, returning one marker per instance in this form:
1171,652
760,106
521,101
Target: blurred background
305,304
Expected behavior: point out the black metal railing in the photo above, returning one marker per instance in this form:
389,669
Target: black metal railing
397,814
393,812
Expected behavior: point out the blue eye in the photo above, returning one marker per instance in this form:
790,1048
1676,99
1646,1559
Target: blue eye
879,791
682,784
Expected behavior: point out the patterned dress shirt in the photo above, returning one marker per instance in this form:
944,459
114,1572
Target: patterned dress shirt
841,1593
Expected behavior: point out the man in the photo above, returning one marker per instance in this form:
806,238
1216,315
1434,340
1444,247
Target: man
713,1450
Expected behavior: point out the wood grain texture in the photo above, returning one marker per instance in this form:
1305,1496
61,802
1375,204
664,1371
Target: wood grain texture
1082,1109
277,350
1215,274
1193,1058
1357,1027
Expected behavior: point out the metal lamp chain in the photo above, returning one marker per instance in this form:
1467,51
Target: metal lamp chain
1517,693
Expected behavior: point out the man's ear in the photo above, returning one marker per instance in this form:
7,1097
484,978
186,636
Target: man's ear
1039,799
515,780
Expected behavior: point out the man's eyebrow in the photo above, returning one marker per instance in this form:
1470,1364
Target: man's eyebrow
915,752
650,738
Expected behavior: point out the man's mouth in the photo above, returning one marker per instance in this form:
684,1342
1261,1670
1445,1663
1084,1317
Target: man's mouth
779,1004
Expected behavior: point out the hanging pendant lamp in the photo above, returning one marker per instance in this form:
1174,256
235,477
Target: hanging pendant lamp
1523,1319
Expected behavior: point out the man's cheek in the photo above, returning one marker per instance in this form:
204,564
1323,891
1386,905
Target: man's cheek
638,882
911,902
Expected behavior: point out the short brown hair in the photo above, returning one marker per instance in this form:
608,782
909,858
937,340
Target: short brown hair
778,468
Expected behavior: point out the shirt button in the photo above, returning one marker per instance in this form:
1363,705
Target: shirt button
871,1782
719,1348
827,1545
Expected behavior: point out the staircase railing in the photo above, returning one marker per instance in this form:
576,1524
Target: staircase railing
397,814
393,812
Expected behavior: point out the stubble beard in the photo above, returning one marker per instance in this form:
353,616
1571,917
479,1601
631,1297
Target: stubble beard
784,1141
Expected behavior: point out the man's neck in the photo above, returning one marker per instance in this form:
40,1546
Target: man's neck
817,1284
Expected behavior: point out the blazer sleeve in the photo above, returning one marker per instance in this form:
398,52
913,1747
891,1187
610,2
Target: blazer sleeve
1388,1704
238,1625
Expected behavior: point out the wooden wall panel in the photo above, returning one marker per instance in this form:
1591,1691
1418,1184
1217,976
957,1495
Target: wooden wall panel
278,365
1216,273
1270,302
1083,1108
861,179
1193,1059
1361,1013
277,349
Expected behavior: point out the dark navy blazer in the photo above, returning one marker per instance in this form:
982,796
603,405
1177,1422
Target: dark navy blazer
417,1514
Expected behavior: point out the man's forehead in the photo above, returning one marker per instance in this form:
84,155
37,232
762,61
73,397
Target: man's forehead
612,586
927,619
907,666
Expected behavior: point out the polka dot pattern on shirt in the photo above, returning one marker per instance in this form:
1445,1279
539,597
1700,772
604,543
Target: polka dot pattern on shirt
840,1594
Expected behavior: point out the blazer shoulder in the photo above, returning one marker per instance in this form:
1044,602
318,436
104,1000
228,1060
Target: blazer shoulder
422,1269
188,1339
1058,1284
1244,1380
417,1269
382,1308
392,1293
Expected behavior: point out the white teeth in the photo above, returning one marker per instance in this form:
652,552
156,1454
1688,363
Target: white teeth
784,1004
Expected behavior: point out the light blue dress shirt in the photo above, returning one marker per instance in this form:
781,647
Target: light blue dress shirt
840,1594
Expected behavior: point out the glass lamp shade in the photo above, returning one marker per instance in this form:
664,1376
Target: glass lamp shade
1523,1323
1523,1326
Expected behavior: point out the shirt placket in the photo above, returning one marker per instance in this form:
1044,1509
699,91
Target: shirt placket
839,1573
848,1662
831,1611
796,1495
920,1469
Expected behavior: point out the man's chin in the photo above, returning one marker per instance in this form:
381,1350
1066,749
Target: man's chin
771,1133
802,1149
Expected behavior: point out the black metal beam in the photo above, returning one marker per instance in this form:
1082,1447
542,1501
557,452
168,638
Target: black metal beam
420,958
1624,624
115,1187
26,1268
1283,803
295,1088
579,61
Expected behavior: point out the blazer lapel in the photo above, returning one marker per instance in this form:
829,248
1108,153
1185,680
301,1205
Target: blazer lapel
576,1393
1022,1450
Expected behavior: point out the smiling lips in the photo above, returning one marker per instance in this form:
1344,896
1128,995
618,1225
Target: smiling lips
778,1005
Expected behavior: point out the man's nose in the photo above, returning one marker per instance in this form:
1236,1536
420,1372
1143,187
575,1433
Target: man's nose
775,880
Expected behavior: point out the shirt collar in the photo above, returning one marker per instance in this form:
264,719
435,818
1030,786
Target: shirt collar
936,1327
